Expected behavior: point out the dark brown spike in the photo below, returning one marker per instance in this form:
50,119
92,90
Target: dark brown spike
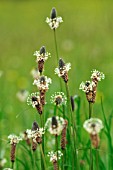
39,108
41,65
91,96
95,140
35,126
53,13
39,140
65,77
63,135
13,150
27,139
34,145
54,122
42,50
42,97
55,165
61,63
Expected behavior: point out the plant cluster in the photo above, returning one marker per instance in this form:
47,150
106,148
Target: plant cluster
64,124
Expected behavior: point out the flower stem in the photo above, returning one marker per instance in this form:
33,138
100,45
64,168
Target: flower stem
56,137
12,165
91,159
68,104
55,110
34,161
90,109
57,55
42,156
42,125
63,159
41,122
56,143
56,46
97,159
73,130
91,154
70,113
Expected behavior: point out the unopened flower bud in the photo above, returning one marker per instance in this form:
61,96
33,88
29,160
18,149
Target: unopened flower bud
54,122
61,63
53,13
42,50
35,126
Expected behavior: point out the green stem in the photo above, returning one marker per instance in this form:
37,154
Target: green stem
56,46
34,161
12,165
56,137
67,90
42,125
70,113
90,109
71,121
91,154
63,108
91,159
97,159
41,74
68,104
41,122
55,110
56,142
110,148
63,159
42,156
57,55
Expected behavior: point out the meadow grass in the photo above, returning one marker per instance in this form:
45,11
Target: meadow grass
85,40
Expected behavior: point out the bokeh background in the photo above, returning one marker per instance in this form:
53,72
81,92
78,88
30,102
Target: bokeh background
85,39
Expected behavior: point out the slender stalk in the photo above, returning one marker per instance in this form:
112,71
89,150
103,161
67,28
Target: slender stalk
42,125
57,55
63,108
56,137
41,121
56,45
91,159
97,159
67,90
63,159
55,110
34,161
90,109
41,74
71,119
12,165
91,154
31,152
110,148
56,144
42,156
68,104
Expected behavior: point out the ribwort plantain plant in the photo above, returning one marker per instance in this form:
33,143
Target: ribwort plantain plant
59,133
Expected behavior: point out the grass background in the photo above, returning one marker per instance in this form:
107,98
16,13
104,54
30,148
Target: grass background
85,39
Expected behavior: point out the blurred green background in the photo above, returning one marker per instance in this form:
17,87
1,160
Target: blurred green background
85,39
